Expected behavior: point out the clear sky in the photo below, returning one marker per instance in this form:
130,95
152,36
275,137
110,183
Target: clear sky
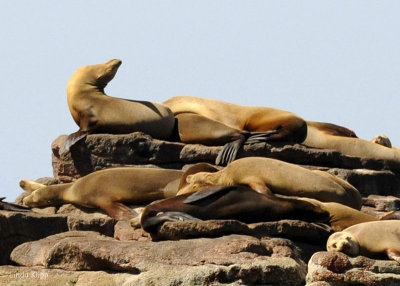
332,61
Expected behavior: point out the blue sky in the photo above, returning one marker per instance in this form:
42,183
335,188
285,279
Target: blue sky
332,61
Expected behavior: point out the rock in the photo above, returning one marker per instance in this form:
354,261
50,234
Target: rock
337,269
368,182
81,218
99,151
124,231
202,261
292,229
39,276
20,227
382,203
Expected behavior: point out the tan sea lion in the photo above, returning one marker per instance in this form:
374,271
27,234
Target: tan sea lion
196,168
341,216
319,135
287,127
107,189
267,175
214,122
94,111
372,239
228,202
382,140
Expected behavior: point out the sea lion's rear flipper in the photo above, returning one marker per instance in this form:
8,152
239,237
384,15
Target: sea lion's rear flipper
259,137
71,140
393,254
206,192
229,151
12,207
119,211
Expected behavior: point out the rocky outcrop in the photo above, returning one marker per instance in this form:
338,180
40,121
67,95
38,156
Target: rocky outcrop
19,227
202,261
337,269
103,151
74,245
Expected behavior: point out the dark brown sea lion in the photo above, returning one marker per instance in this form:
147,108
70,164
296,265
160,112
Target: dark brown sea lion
229,202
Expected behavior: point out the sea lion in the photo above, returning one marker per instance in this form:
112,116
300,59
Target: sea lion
319,135
107,189
12,207
214,122
267,175
372,239
94,111
341,216
382,140
228,202
287,127
196,168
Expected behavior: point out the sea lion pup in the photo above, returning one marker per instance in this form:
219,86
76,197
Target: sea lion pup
341,216
107,189
267,175
213,122
228,202
329,136
94,111
371,239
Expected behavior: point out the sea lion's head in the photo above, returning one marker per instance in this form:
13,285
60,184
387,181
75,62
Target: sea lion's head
196,168
94,76
343,242
41,198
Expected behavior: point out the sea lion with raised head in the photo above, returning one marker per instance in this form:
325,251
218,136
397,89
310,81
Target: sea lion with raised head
107,189
371,239
214,122
267,175
95,112
228,202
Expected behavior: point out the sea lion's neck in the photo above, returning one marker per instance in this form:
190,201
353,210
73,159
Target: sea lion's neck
77,88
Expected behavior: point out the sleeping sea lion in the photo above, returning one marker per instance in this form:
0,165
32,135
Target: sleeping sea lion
94,111
372,239
328,136
228,202
267,175
213,122
341,216
107,189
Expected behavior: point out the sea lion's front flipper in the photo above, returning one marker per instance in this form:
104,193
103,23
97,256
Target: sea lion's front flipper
259,137
12,207
175,216
229,151
71,140
206,192
393,254
258,185
118,211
